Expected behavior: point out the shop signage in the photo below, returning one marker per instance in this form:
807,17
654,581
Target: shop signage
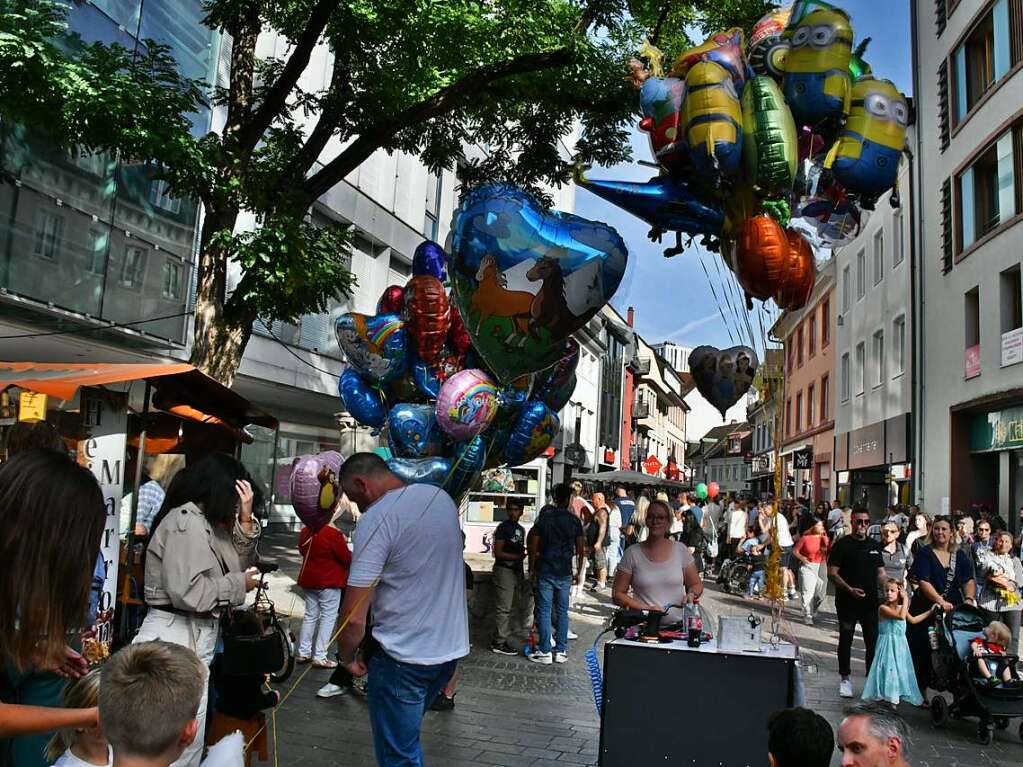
651,465
803,459
997,430
866,446
1012,347
609,457
761,464
31,406
972,359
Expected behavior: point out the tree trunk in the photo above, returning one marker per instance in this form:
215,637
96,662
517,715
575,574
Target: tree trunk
220,336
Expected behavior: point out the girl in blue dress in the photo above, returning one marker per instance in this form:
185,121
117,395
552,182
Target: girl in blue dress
891,677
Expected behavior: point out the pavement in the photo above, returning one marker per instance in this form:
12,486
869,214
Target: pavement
513,713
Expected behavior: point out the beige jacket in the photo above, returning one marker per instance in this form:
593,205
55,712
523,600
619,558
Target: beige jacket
187,559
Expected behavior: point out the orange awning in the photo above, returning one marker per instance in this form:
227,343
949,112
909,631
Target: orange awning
62,380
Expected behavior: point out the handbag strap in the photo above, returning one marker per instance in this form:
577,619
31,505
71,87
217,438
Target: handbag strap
951,574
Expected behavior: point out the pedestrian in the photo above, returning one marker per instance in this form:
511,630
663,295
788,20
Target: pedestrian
798,737
895,516
692,533
837,522
614,538
942,574
601,515
872,734
775,516
964,533
511,591
812,553
995,639
51,523
919,529
891,678
408,555
322,577
857,568
627,506
737,526
756,549
893,553
639,518
584,512
1001,573
983,540
80,746
659,572
558,537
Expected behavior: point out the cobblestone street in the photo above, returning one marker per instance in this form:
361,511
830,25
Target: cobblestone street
516,714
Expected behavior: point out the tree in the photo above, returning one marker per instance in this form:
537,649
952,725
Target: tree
420,76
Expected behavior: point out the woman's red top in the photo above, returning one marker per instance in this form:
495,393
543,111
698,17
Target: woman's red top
327,559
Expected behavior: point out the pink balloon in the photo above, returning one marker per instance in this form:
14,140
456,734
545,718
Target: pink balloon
466,404
314,487
713,489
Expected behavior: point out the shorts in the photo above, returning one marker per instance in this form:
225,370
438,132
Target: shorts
600,559
786,557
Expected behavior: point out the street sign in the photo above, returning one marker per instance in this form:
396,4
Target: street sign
803,459
651,465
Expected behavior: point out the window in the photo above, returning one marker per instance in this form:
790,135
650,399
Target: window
899,341
799,346
846,290
826,322
788,417
799,412
987,192
897,238
811,335
861,368
878,256
47,231
879,360
96,258
971,315
431,221
159,195
133,267
173,272
982,59
810,402
861,274
844,379
1011,307
826,395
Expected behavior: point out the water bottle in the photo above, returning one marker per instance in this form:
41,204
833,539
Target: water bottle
932,636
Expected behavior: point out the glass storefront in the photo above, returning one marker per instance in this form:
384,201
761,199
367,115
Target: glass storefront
94,233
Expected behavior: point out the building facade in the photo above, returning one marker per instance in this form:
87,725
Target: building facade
873,445
728,462
659,414
969,154
807,407
762,419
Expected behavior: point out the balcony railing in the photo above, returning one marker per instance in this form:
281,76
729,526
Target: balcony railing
640,410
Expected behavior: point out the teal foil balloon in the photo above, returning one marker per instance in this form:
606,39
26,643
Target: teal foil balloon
376,346
412,431
770,150
532,433
466,464
361,400
525,278
421,471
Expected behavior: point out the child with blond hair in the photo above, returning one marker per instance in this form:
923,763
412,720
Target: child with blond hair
80,746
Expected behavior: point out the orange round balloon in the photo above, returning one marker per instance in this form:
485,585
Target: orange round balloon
428,315
799,274
761,252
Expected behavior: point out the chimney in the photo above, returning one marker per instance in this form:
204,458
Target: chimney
629,316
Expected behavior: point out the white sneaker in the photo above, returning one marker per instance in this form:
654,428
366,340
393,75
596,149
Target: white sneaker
543,658
331,691
808,620
572,634
845,689
561,657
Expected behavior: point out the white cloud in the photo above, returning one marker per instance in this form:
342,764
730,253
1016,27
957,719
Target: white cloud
692,325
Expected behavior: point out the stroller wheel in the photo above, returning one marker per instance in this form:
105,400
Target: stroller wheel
1001,722
985,733
939,711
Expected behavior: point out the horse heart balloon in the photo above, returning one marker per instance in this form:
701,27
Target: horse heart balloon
427,315
467,404
723,377
314,487
533,432
525,278
375,345
412,431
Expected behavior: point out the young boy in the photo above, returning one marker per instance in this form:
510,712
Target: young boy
996,638
758,557
149,696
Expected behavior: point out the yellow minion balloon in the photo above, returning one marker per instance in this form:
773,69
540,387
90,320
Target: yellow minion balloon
816,83
865,159
713,116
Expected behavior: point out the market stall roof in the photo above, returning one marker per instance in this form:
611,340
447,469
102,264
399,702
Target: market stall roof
179,388
624,477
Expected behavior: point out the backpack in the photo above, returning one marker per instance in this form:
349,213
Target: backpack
692,533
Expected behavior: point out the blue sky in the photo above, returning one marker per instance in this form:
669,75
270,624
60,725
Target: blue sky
672,297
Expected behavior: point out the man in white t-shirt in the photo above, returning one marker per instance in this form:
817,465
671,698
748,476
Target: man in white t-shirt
614,538
408,566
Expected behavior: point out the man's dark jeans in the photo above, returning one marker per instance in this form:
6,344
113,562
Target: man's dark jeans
850,612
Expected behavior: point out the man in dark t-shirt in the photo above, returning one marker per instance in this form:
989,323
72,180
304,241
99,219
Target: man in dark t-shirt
857,568
510,585
555,539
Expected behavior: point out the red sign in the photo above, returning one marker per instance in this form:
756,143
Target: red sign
651,465
609,457
972,361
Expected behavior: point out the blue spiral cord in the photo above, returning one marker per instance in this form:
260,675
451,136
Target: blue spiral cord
596,676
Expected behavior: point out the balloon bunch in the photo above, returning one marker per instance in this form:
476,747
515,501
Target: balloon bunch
474,379
766,146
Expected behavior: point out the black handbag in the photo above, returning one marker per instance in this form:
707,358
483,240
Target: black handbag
249,648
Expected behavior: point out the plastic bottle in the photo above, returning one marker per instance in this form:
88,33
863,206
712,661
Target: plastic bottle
694,625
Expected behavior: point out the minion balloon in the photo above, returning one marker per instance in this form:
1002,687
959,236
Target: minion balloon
817,82
865,159
713,118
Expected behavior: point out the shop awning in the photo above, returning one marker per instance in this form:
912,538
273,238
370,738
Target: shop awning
625,477
178,388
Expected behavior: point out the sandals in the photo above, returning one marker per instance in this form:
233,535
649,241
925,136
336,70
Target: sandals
302,660
324,664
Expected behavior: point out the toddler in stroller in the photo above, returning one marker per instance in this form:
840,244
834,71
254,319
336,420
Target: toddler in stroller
992,663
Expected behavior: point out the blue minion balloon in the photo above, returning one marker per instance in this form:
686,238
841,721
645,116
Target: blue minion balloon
817,81
865,159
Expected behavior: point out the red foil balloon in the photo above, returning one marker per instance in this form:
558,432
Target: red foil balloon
799,274
761,254
392,300
458,336
429,315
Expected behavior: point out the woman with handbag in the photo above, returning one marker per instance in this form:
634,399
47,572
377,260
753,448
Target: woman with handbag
943,575
1002,572
197,564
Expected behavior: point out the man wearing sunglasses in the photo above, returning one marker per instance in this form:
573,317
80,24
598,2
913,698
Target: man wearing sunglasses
857,568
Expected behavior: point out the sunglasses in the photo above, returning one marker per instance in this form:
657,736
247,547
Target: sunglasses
861,521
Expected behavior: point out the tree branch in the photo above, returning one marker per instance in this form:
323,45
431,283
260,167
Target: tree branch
442,102
243,62
321,133
277,95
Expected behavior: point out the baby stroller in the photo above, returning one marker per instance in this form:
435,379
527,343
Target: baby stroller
955,672
734,574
